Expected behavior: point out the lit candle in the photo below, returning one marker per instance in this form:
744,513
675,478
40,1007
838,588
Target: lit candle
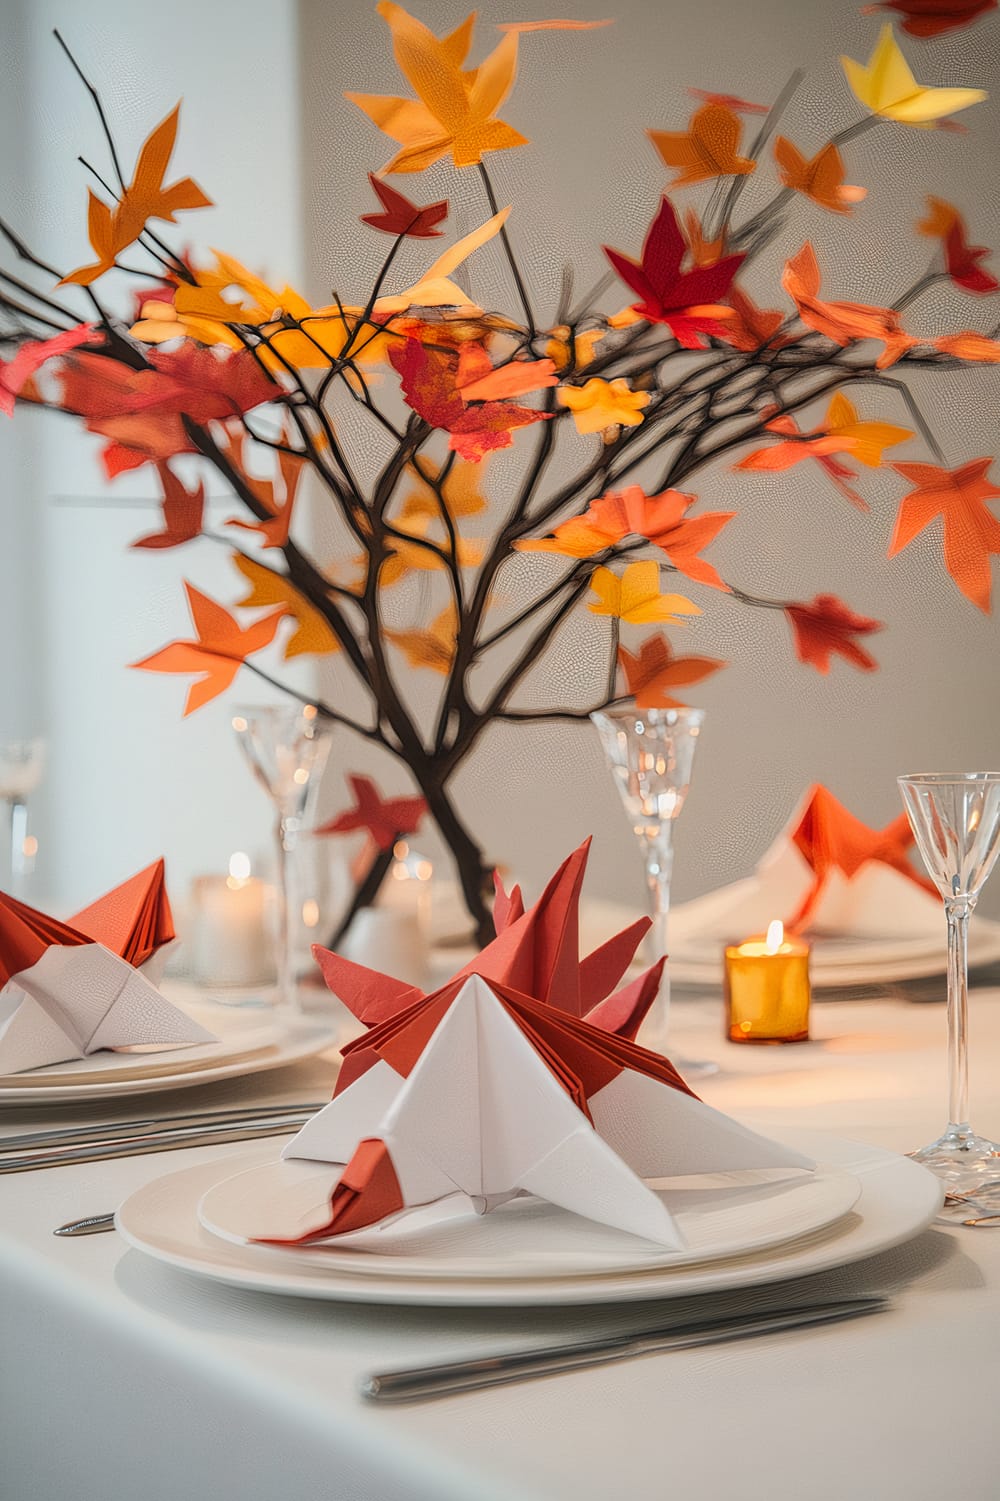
229,938
408,887
767,989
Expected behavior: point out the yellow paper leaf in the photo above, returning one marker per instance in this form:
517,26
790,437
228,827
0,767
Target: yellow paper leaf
635,596
312,635
886,86
599,404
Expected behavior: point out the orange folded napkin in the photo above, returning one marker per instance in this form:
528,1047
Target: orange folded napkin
827,873
497,1084
71,989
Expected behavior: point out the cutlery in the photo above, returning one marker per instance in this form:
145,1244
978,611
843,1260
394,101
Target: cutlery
94,1224
452,1377
106,1130
168,1139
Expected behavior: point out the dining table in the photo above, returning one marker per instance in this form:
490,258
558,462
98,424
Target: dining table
124,1378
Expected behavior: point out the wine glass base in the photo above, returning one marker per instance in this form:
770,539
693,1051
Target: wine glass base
964,1162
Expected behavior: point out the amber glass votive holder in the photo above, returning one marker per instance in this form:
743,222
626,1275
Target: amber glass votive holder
767,990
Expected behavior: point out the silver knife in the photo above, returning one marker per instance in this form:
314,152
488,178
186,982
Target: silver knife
105,1130
168,1139
447,1380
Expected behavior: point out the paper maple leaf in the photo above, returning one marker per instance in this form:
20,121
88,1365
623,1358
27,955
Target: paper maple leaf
963,261
434,647
842,432
218,651
709,148
30,357
970,346
750,327
599,404
635,596
455,109
662,519
274,530
385,819
827,626
142,411
312,636
927,18
429,377
971,531
400,216
730,101
830,838
820,177
886,86
146,197
654,671
843,322
686,301
183,512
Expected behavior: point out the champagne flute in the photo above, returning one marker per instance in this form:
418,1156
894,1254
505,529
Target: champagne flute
955,818
650,753
286,747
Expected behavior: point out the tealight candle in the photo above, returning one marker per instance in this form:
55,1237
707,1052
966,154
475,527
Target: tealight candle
229,937
767,989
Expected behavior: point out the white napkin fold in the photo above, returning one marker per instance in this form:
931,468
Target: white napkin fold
78,999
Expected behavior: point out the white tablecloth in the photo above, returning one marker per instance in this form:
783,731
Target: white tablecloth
121,1379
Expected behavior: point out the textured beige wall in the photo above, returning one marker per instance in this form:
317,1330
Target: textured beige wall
591,176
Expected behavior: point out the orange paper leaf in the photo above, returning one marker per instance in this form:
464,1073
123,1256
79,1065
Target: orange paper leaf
971,531
709,148
218,650
653,671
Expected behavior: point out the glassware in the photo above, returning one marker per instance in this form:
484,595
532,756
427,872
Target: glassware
21,765
955,817
650,753
286,747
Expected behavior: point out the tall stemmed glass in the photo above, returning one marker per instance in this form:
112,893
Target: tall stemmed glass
21,766
287,749
955,817
650,753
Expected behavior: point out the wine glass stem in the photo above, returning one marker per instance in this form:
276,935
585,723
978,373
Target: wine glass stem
286,832
958,1015
659,868
18,814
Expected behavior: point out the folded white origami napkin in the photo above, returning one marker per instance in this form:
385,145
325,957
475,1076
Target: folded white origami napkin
483,1089
826,873
71,989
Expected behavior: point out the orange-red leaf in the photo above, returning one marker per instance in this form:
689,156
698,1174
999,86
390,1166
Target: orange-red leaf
219,648
971,531
30,357
385,819
709,148
183,512
654,670
820,177
429,382
827,626
843,322
970,346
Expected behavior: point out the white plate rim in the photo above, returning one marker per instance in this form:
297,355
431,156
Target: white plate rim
303,1039
863,1233
840,1186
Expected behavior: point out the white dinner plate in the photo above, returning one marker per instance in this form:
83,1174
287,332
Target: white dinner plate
837,962
898,1199
719,1216
103,1067
290,1042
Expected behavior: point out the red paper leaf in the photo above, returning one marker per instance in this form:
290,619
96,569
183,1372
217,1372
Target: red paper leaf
686,301
926,18
400,216
428,378
828,626
385,819
963,260
183,512
30,357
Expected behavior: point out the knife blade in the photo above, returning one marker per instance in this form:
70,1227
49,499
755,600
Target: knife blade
452,1377
166,1140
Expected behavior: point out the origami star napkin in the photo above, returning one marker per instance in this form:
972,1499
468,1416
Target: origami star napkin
481,1090
71,989
826,873
536,952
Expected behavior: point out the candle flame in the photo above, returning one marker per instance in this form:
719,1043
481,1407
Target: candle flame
775,936
239,869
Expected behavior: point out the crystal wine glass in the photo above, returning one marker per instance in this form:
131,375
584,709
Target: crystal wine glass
287,749
650,753
21,765
955,817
